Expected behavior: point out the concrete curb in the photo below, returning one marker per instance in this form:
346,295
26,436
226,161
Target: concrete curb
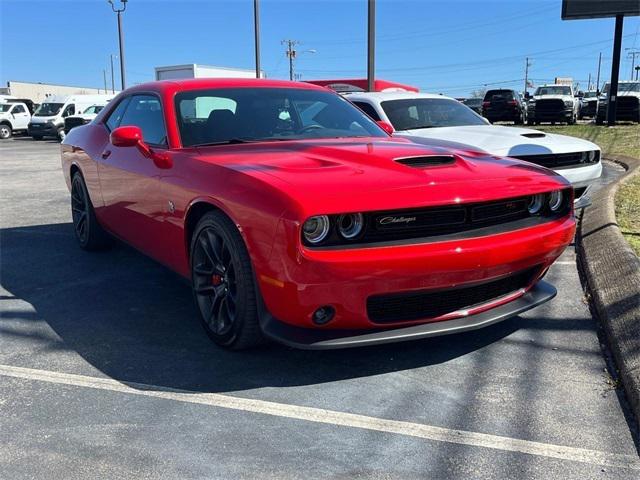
612,272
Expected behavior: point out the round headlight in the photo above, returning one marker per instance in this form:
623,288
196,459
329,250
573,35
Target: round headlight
350,225
535,204
592,156
555,200
316,229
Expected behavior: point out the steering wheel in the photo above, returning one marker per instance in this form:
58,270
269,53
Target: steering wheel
313,126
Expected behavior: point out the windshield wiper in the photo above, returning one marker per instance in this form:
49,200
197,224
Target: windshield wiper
231,141
422,126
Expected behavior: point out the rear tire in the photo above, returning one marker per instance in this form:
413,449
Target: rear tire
5,131
223,283
90,235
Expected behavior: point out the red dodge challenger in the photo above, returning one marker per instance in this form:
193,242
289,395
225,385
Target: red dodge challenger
297,218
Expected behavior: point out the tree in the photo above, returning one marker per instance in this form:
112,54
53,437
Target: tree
478,92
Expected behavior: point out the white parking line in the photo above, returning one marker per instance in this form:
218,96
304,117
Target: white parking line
565,263
318,415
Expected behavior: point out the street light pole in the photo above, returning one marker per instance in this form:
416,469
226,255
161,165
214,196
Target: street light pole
119,12
113,82
371,45
256,32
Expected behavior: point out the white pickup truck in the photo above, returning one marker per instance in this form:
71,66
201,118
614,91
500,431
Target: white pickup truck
553,103
14,117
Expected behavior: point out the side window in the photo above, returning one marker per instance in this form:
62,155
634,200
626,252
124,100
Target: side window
145,111
18,109
70,110
115,116
368,109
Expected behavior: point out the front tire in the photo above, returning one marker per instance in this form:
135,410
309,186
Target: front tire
89,233
61,135
223,283
5,131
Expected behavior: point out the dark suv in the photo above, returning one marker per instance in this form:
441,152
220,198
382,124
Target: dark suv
500,105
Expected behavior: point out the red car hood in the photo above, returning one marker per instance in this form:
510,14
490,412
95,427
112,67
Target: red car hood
342,175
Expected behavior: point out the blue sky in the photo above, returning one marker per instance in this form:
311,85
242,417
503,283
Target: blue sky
451,46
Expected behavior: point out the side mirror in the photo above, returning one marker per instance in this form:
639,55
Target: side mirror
131,136
126,137
386,126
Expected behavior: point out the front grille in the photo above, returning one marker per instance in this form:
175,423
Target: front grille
549,106
626,105
70,123
558,160
434,221
402,307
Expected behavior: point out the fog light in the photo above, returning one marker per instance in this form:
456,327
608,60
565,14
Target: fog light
323,315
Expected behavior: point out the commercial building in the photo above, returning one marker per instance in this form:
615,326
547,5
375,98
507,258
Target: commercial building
38,92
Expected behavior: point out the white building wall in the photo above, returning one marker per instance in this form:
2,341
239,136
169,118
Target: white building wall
38,92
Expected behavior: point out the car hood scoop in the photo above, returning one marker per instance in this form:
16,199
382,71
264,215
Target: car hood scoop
534,135
425,161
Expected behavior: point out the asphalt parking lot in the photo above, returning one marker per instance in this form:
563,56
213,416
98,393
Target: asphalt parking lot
106,373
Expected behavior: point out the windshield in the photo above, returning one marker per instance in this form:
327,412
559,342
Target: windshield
623,87
414,113
93,109
238,115
590,95
48,109
554,90
4,107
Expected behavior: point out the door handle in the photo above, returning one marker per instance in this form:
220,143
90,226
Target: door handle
106,154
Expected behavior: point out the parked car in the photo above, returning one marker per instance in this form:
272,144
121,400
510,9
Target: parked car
474,104
588,105
553,103
48,119
246,188
435,118
628,102
14,117
82,119
504,105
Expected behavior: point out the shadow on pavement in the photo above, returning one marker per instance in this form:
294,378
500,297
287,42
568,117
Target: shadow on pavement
135,321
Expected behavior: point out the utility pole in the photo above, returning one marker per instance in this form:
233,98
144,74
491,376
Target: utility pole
291,54
637,70
256,32
371,45
598,78
119,12
104,75
589,83
615,72
632,53
527,64
113,82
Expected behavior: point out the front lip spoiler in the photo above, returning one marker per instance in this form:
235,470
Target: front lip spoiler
321,339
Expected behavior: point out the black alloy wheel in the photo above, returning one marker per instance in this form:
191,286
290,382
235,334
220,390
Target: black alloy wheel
222,281
89,233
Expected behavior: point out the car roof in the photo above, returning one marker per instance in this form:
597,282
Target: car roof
212,83
383,96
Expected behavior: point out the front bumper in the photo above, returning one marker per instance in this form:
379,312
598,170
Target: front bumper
550,116
309,339
42,130
300,280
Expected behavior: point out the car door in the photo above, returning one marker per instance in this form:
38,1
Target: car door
21,117
130,182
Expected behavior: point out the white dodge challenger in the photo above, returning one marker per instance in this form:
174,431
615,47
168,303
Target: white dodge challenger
426,118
